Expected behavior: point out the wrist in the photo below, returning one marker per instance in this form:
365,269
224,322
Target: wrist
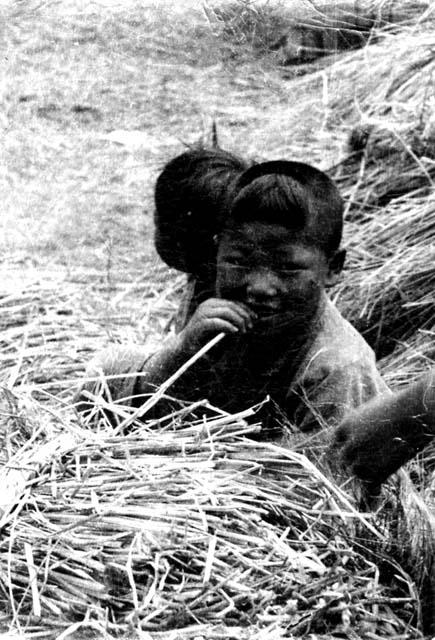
183,346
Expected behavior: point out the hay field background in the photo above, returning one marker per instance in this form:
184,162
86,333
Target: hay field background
96,98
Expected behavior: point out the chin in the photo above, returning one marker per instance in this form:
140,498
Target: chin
273,322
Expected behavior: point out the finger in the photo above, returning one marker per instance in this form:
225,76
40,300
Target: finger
228,308
240,321
218,325
239,307
247,309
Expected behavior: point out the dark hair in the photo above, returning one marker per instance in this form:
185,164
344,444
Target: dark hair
293,194
190,197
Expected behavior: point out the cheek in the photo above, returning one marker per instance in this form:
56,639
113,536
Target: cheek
229,279
304,287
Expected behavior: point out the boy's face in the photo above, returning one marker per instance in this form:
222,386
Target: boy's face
268,268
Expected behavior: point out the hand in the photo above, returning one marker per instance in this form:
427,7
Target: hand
344,445
369,445
214,316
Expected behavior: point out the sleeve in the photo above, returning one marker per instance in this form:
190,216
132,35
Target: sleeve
126,372
112,372
322,397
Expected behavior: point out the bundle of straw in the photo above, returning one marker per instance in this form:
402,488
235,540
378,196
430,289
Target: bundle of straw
386,92
386,162
393,76
188,525
388,180
410,359
50,327
42,339
300,31
388,289
327,28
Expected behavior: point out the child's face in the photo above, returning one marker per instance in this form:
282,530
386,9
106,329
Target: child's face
266,267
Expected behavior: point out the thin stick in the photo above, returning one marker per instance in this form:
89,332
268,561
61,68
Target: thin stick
209,559
16,369
32,579
142,410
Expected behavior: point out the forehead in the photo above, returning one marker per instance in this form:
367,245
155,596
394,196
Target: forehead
265,237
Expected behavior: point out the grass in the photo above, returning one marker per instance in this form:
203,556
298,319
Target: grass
74,77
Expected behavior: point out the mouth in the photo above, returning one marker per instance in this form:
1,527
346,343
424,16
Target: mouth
264,311
270,314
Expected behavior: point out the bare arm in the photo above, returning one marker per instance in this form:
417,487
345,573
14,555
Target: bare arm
211,318
375,440
118,365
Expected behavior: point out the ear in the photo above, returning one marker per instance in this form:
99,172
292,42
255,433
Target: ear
335,267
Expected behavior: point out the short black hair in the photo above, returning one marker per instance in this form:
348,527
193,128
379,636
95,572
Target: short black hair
190,197
292,194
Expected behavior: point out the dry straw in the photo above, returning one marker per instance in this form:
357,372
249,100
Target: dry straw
182,523
388,289
187,525
388,176
300,31
50,327
410,359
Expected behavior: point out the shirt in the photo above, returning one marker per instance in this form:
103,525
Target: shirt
334,372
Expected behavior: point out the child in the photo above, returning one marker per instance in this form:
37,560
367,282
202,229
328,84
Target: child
189,197
277,251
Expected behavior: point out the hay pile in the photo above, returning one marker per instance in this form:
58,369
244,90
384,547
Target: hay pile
301,31
51,326
410,359
388,178
185,524
388,289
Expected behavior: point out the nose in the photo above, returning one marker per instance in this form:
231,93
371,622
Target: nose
262,286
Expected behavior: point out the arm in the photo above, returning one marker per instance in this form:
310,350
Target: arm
117,366
129,372
212,317
113,369
377,439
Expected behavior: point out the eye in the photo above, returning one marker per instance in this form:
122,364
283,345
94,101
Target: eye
236,261
290,269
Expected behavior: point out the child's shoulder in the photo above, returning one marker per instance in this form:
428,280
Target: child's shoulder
337,345
337,334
